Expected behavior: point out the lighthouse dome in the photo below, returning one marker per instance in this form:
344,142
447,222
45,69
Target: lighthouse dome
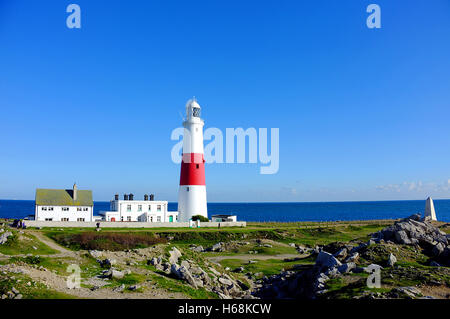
192,109
192,103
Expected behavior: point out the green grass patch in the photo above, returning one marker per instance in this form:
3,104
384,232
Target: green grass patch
23,244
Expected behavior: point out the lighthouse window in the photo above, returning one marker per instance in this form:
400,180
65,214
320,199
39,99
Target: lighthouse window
187,189
198,166
196,112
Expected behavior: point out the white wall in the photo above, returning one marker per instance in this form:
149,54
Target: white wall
192,202
140,211
57,213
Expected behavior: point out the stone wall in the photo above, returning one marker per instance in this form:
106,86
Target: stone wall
34,223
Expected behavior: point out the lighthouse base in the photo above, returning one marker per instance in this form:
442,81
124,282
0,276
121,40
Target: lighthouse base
191,202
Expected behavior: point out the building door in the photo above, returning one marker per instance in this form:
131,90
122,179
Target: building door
113,219
170,219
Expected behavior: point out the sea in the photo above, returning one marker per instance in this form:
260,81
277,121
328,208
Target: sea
280,212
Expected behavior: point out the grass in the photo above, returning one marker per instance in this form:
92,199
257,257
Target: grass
35,291
267,267
24,244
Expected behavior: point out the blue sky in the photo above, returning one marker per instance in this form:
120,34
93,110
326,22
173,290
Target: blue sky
363,113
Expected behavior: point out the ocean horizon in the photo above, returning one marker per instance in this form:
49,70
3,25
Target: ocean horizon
281,211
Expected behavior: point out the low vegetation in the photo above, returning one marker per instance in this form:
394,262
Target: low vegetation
106,241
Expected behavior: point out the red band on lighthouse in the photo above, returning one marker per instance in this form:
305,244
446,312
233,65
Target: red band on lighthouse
192,169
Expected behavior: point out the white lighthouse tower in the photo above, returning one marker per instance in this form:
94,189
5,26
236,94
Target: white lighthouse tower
192,192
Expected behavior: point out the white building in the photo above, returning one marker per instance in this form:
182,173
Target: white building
147,210
71,205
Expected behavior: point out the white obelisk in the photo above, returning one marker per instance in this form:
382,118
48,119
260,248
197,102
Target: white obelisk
429,209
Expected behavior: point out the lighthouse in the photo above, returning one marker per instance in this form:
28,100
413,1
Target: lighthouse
192,192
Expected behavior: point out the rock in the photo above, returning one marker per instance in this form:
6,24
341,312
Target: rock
267,245
134,287
15,291
4,237
402,238
185,275
435,264
326,260
185,264
95,253
292,245
19,296
391,260
438,249
239,269
346,268
341,254
352,258
120,288
217,247
108,262
214,271
225,281
198,249
174,255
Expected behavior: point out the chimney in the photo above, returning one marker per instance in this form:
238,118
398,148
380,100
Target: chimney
152,197
125,197
131,196
145,197
116,197
75,192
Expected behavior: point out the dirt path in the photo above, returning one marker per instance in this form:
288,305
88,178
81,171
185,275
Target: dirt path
63,252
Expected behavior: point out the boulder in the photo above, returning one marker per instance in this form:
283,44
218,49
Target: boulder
401,237
391,260
4,237
185,264
438,249
174,255
353,258
341,254
346,268
217,247
225,281
327,260
198,249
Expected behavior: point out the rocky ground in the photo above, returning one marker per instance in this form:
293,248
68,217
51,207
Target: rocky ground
406,259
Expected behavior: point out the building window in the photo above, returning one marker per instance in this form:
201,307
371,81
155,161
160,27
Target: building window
158,208
85,209
129,218
128,208
80,219
151,219
78,209
44,208
139,208
158,219
121,218
64,219
149,208
48,219
65,209
50,209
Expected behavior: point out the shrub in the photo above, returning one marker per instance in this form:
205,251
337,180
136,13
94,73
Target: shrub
201,218
108,241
